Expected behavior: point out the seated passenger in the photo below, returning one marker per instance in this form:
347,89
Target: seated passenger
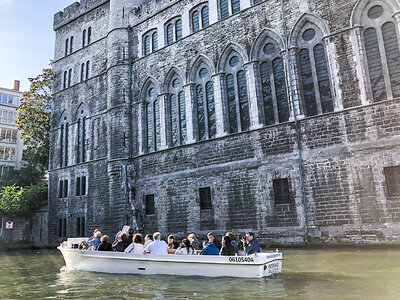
227,248
95,242
250,244
148,239
157,247
185,248
121,245
104,245
209,249
233,242
136,247
171,242
93,236
212,239
193,241
130,235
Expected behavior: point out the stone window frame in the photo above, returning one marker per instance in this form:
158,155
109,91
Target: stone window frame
361,18
150,34
230,4
81,189
199,9
86,36
68,78
64,187
172,22
82,125
85,70
64,140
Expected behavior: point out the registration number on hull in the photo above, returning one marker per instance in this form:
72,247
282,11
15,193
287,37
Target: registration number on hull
241,259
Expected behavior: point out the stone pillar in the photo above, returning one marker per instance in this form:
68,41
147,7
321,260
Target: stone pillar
254,105
141,119
213,11
219,95
163,99
295,86
190,121
245,4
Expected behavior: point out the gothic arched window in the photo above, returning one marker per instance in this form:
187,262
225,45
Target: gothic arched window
84,38
81,137
314,71
273,83
236,94
177,111
152,126
199,13
382,50
204,93
66,47
64,141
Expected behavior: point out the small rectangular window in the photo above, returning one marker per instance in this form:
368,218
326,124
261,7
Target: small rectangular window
281,190
393,180
65,188
60,189
205,198
83,185
78,186
150,208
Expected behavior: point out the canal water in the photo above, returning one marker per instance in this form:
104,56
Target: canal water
307,274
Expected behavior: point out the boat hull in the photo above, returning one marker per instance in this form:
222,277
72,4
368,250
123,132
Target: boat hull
262,265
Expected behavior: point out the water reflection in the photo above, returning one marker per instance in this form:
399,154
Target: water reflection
307,274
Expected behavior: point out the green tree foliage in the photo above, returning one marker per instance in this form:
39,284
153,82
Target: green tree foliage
34,119
22,201
26,176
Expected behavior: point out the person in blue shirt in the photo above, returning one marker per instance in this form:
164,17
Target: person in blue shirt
96,241
250,244
210,249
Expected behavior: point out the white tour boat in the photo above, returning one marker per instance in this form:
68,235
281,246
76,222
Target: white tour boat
252,266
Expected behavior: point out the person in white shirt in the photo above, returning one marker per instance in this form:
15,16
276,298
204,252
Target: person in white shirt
185,248
148,239
157,247
136,247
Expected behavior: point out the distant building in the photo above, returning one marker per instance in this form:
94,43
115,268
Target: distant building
11,146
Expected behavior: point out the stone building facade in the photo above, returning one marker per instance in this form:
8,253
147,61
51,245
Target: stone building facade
228,115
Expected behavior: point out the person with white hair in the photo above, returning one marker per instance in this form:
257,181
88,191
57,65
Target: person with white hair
157,247
96,241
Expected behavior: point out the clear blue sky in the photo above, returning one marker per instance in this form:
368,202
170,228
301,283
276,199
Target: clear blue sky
26,38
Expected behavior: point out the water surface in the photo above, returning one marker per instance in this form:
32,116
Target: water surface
307,274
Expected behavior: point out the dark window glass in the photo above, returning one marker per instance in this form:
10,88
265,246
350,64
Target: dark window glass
393,180
205,198
309,34
150,207
267,94
392,56
230,91
83,72
78,146
65,188
170,34
147,45
66,144
280,90
150,128
78,186
83,139
178,29
182,118
324,84
64,227
89,35
235,6
375,12
61,144
281,190
243,101
78,227
210,110
257,1
65,79
84,38
195,21
157,125
66,46
374,64
83,185
205,20
154,41
174,120
60,189
310,100
87,69
69,77
200,113
224,9
71,45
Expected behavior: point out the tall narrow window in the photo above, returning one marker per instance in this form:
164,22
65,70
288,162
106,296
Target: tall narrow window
65,80
149,127
61,145
78,144
230,87
224,9
154,41
69,77
83,72
314,72
150,205
152,128
282,191
212,129
280,90
66,47
170,34
235,6
71,44
243,101
205,19
87,69
195,21
78,186
177,112
89,35
201,122
66,141
147,45
83,139
178,29
205,198
84,38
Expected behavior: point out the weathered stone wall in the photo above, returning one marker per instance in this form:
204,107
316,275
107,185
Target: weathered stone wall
343,152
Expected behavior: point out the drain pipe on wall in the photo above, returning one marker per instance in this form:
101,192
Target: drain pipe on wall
296,124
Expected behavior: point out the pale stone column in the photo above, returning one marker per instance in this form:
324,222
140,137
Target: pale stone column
185,23
188,89
245,4
219,95
163,98
213,11
141,120
254,107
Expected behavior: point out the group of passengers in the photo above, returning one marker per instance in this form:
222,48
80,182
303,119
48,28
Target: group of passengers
153,244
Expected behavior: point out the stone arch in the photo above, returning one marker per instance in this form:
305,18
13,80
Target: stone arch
195,66
307,17
232,47
149,81
65,117
169,76
261,38
82,107
358,10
